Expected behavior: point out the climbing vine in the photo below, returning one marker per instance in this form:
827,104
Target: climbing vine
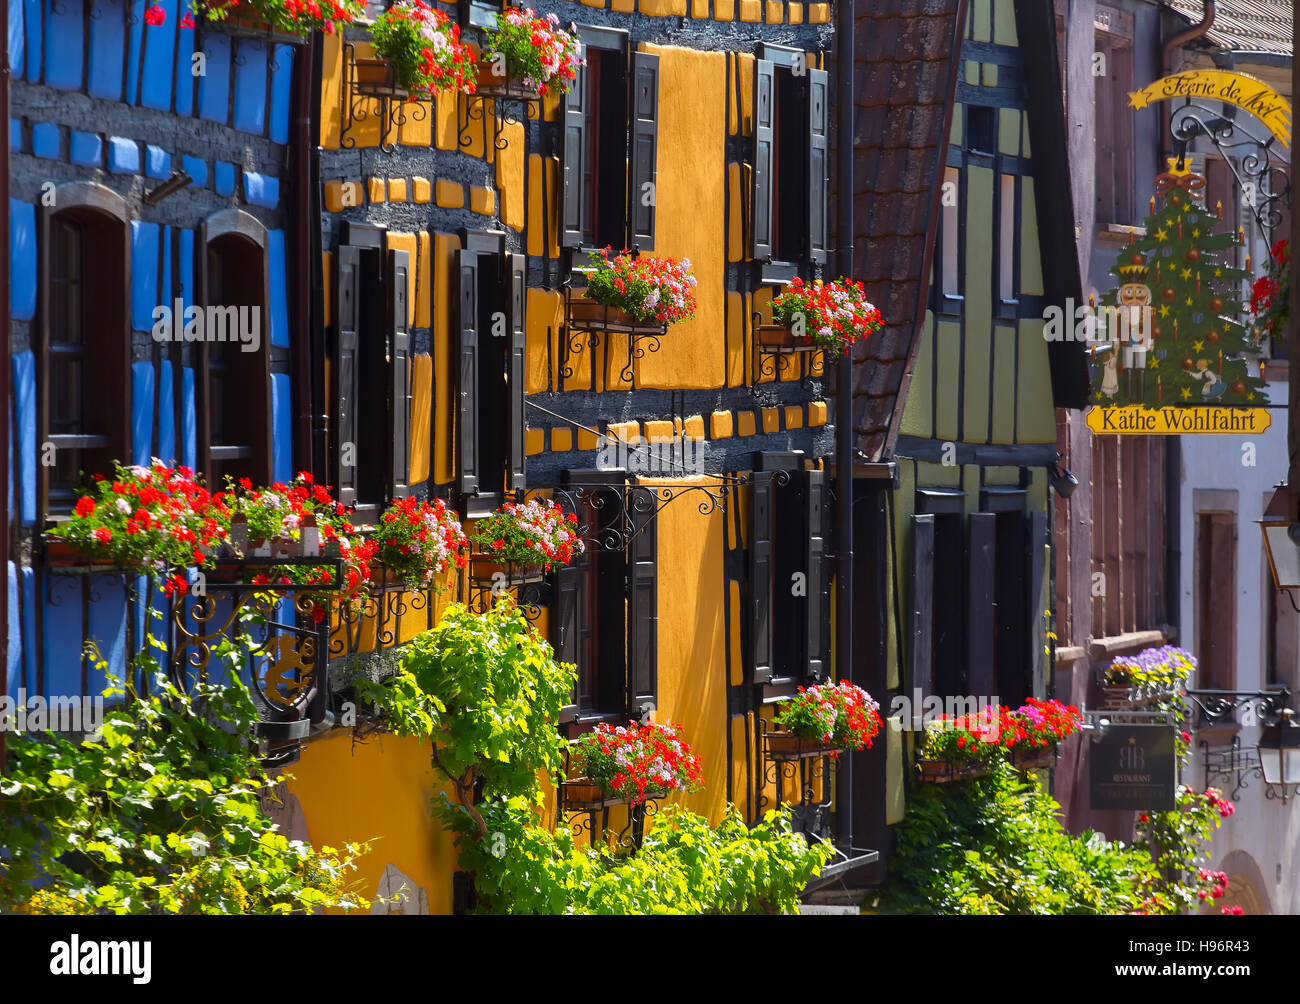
159,813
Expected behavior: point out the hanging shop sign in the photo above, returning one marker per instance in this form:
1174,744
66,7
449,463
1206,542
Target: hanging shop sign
1169,352
1240,89
1132,767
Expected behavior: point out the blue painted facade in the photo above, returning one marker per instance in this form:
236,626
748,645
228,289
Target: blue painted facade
162,98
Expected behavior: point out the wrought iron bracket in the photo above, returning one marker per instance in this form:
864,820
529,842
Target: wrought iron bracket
509,106
391,107
1230,765
624,510
1215,706
1255,161
767,361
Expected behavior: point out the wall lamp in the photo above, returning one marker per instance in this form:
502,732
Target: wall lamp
1277,750
1282,545
1063,481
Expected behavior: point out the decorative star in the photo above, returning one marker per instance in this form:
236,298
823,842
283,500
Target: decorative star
1196,233
1186,394
1250,397
1152,362
1187,273
1198,345
1162,234
1218,272
1164,310
1188,301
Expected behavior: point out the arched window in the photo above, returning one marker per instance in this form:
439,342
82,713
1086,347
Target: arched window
83,341
234,354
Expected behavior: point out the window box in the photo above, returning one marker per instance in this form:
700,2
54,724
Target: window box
948,771
60,553
588,315
1034,758
244,26
485,566
377,78
792,746
493,86
778,338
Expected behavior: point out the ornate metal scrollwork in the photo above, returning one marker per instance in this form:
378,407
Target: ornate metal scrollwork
1256,162
473,109
1214,706
392,107
623,511
1229,765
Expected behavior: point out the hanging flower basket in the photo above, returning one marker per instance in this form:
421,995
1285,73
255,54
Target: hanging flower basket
535,535
540,58
423,50
835,315
634,763
829,717
581,791
275,20
635,293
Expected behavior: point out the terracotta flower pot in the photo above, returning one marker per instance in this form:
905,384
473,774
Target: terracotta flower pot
582,790
377,77
495,86
945,772
61,553
792,744
487,566
778,336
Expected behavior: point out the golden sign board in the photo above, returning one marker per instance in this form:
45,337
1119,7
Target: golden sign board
1135,420
1240,89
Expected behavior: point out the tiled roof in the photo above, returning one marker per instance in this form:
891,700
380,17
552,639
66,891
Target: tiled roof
1263,25
903,81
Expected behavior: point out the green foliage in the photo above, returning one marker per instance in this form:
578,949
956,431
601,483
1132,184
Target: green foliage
684,866
490,691
995,845
159,814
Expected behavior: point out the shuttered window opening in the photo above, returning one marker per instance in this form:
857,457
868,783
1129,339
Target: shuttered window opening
235,383
609,149
604,613
789,586
371,378
976,624
490,327
83,346
789,222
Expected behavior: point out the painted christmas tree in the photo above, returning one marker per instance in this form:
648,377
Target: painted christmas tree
1187,349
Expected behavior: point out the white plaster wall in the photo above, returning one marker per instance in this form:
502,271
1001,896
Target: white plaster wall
1263,828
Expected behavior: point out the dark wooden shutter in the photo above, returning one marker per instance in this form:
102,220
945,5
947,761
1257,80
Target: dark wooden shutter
1038,541
980,612
760,575
467,382
818,165
642,601
569,614
922,623
818,582
399,374
515,298
573,187
347,270
764,107
644,127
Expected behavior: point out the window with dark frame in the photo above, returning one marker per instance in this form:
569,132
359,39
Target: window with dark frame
370,419
1216,577
788,573
84,351
235,427
790,103
604,612
608,168
1114,129
490,336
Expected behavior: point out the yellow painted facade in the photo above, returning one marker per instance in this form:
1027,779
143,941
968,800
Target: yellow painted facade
461,171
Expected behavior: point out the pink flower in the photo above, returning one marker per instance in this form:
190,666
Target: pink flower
187,21
155,16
